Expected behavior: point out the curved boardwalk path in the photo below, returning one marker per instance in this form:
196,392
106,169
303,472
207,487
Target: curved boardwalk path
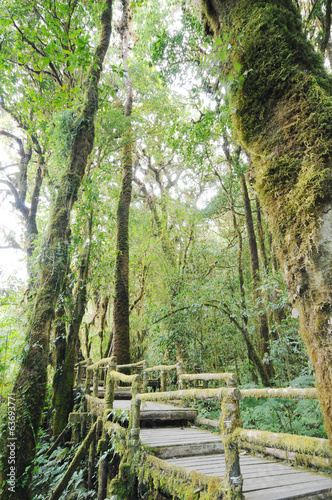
202,451
186,461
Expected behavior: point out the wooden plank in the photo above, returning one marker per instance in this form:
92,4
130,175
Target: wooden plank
164,436
146,406
264,479
173,441
188,450
302,479
174,414
318,489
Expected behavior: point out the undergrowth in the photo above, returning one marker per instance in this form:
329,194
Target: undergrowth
301,417
49,470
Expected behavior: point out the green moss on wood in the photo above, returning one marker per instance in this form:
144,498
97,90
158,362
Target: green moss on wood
286,393
160,476
300,444
282,102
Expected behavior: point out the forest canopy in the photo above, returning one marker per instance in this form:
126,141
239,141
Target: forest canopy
165,170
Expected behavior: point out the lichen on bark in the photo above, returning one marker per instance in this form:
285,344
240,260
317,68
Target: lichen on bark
282,98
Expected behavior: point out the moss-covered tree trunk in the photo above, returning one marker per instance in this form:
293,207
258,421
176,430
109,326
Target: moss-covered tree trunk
103,308
121,342
66,350
31,381
283,102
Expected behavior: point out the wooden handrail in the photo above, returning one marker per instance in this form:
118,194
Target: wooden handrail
203,394
163,369
101,363
159,368
121,377
133,365
284,393
306,445
229,378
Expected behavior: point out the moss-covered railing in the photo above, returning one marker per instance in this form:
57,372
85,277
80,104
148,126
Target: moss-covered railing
140,469
304,450
95,373
103,425
170,479
81,370
163,371
230,379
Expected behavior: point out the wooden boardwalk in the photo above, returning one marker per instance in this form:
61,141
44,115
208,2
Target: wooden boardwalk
201,451
155,412
264,479
175,450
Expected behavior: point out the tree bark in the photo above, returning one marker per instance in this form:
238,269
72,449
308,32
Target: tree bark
283,101
66,350
121,341
103,308
263,325
261,236
31,381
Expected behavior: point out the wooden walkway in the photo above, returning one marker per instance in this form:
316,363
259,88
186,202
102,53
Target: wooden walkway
264,479
174,449
156,412
201,451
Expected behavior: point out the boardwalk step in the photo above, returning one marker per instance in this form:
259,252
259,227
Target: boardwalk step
263,479
167,442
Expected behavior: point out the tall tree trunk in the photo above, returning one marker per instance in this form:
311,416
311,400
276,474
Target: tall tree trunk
283,101
264,337
66,349
250,348
121,341
103,308
31,381
261,237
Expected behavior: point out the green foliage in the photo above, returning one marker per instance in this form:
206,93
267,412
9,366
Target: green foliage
11,336
49,470
301,417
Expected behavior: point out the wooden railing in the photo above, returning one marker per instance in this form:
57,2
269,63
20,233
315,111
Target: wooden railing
229,378
163,371
92,373
303,450
229,400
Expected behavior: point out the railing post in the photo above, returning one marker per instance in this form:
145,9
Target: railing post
95,384
163,380
88,377
145,377
103,464
229,421
110,385
179,370
232,381
92,456
134,425
79,375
